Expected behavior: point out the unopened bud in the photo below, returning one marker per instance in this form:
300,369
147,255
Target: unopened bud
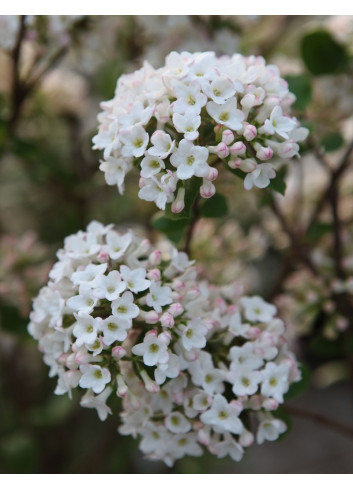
250,132
167,320
179,203
118,352
237,148
207,189
122,387
227,137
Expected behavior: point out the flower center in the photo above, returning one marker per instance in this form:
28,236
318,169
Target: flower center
112,327
138,143
97,374
222,415
273,381
90,328
245,381
190,160
154,348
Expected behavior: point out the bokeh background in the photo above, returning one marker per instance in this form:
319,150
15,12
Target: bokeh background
51,85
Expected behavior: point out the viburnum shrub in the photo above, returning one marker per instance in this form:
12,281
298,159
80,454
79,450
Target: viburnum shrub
181,123
197,366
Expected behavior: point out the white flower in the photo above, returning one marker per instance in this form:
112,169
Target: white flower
98,402
159,296
187,124
275,381
91,275
245,356
109,286
190,160
194,334
94,377
221,89
135,279
153,191
223,416
277,123
137,115
260,177
256,309
244,380
236,326
228,447
189,98
177,423
135,141
153,349
115,170
170,369
124,307
84,302
151,165
270,429
162,145
117,244
226,113
86,329
114,329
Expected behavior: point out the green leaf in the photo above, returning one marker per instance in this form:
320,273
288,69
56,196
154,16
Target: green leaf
238,173
300,85
173,229
322,54
324,348
298,388
216,206
318,230
332,141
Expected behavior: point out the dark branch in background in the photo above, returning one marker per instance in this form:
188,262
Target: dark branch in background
318,418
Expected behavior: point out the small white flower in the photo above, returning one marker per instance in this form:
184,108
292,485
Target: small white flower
98,402
159,296
270,429
187,124
115,170
190,160
109,286
260,177
153,349
86,329
177,423
135,141
115,329
84,302
135,279
153,191
189,98
227,113
117,244
223,415
244,380
277,123
245,356
151,165
124,307
137,115
228,447
275,381
162,145
94,377
194,334
90,275
256,309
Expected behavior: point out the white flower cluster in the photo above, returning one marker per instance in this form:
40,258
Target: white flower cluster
182,120
196,365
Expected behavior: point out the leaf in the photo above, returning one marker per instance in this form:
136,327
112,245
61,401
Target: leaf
216,206
318,230
298,388
322,54
173,229
332,141
300,85
324,348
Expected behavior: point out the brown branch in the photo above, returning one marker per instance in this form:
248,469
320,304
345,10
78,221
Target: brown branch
318,418
335,176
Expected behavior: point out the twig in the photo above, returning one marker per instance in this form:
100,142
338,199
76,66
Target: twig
318,418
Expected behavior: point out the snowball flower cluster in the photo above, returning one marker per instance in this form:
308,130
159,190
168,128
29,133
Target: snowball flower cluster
197,112
194,363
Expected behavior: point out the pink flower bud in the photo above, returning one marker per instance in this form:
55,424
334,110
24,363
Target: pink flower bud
235,163
152,332
248,101
73,378
151,317
179,203
270,404
264,153
204,435
212,174
103,257
191,355
222,150
237,148
248,165
167,320
149,384
227,137
122,387
165,337
155,258
250,132
207,189
154,274
246,438
118,352
288,149
176,309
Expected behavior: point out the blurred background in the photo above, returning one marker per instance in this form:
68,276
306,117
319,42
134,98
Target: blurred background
55,71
